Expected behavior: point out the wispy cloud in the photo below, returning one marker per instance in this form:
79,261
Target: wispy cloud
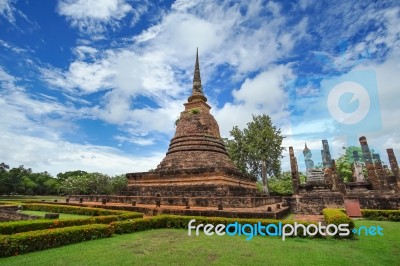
7,10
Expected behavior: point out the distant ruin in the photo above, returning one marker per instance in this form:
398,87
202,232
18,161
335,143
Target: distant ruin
324,188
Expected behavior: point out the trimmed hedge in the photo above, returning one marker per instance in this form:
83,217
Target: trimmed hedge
72,209
11,245
8,228
8,203
336,216
181,222
381,215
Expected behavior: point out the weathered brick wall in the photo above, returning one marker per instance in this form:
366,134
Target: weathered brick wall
228,202
315,204
9,213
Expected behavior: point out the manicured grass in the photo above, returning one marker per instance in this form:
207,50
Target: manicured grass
62,215
175,247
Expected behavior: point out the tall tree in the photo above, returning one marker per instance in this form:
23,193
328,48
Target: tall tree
257,149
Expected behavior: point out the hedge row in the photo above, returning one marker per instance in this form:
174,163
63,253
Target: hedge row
8,203
11,245
8,228
72,209
180,222
336,216
381,215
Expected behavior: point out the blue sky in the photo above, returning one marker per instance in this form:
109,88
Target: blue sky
97,85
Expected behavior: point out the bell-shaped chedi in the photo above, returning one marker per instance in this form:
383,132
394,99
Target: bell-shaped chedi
197,142
197,165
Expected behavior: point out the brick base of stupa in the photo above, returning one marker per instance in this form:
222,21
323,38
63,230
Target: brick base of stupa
196,187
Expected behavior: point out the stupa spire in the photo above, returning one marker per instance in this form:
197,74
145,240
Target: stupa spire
197,90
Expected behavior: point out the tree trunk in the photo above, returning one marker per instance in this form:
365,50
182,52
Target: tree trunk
264,177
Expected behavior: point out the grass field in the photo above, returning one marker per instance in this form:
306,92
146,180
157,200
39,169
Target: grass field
175,247
62,215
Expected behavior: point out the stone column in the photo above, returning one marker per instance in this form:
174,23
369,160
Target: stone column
380,171
336,180
394,166
372,176
295,171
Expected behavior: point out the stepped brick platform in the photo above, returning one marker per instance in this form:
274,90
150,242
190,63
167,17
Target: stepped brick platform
225,202
270,211
197,165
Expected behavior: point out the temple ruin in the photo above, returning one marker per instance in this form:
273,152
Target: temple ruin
376,190
196,168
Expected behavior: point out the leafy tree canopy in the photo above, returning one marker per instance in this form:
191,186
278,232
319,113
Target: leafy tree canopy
257,149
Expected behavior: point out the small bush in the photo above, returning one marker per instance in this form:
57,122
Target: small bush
336,216
195,111
11,245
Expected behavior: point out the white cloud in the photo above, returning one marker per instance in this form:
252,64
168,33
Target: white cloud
32,134
159,64
264,94
95,16
83,77
55,156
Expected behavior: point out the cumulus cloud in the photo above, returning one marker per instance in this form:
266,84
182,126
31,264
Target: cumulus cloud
264,94
159,63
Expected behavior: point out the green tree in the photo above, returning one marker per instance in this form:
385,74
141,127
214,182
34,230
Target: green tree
4,178
257,149
281,185
16,176
344,164
63,176
303,178
118,184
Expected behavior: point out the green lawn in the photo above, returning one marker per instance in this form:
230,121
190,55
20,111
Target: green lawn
175,247
62,215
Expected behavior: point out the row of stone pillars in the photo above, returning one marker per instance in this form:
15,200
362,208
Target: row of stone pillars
376,171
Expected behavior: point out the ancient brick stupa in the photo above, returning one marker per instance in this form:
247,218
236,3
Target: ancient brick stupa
197,167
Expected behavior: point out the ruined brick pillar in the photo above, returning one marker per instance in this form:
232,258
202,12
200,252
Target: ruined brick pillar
336,180
295,171
380,171
326,154
394,166
372,176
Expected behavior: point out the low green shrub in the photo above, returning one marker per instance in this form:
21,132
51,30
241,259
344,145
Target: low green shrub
11,245
181,222
381,215
72,209
8,228
336,216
